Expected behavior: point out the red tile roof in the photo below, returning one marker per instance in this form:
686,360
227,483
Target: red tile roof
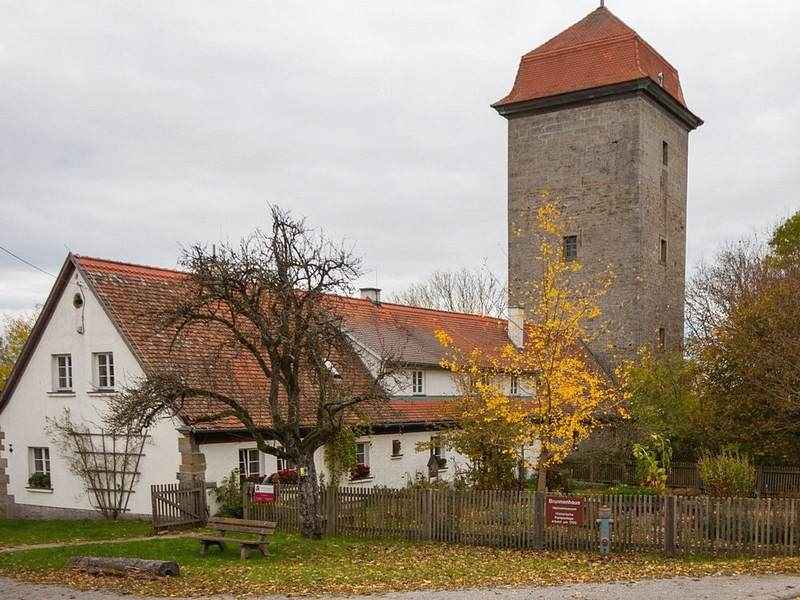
597,51
135,295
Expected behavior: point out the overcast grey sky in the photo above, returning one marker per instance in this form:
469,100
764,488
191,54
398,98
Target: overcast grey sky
130,128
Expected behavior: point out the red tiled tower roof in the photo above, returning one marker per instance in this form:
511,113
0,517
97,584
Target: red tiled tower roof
597,51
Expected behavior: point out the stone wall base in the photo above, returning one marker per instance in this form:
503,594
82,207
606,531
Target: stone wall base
6,501
34,512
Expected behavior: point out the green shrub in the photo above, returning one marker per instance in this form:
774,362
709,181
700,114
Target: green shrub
728,474
623,489
653,462
229,496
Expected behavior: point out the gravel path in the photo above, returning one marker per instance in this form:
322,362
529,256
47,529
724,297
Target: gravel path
121,540
680,588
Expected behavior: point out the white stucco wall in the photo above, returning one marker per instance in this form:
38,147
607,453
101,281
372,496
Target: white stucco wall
24,418
385,469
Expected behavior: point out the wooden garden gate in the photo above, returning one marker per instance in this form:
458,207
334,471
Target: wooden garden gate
178,505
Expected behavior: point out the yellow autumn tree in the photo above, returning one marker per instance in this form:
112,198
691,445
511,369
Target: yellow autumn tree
562,389
491,427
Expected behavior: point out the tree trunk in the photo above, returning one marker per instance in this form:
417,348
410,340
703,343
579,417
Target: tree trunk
541,484
104,565
310,511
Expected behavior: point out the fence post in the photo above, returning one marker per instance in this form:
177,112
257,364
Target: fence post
669,525
428,514
331,496
538,520
154,502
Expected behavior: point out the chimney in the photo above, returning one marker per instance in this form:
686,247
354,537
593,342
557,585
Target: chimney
371,294
516,325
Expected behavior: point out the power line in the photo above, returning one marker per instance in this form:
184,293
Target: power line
22,260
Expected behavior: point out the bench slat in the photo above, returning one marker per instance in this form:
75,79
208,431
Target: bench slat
242,522
255,530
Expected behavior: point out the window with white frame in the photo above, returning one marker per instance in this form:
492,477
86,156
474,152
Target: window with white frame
418,382
103,366
40,461
249,462
362,453
62,373
514,385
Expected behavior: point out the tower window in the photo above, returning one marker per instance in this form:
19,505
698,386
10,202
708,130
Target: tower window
663,251
570,247
662,338
665,154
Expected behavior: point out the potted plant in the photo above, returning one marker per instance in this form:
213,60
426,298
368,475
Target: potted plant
359,471
39,481
285,476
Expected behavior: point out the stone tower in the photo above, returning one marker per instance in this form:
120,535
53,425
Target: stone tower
598,124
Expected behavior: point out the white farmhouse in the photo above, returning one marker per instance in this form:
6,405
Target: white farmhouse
91,341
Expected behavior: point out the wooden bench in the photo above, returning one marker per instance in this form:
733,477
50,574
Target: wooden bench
261,529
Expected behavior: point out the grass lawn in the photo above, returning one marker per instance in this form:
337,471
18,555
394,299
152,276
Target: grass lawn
17,532
347,565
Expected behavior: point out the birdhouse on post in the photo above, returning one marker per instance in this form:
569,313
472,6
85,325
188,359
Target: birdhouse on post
433,467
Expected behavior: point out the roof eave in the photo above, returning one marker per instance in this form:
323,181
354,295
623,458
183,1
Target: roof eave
644,85
42,320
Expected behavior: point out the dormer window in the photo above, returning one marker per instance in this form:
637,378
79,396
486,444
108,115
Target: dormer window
418,383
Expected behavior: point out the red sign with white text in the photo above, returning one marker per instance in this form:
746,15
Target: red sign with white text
564,511
264,493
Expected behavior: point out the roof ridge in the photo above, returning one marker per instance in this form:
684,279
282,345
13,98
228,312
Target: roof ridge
81,257
577,24
456,313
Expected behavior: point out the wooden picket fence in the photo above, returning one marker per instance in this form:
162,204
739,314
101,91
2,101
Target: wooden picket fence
772,481
177,505
511,519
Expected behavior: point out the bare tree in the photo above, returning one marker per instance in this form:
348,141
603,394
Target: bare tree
475,291
257,341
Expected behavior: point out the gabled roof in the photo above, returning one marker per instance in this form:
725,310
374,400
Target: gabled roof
133,296
408,332
599,50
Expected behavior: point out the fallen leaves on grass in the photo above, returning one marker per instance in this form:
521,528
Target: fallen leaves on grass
301,568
